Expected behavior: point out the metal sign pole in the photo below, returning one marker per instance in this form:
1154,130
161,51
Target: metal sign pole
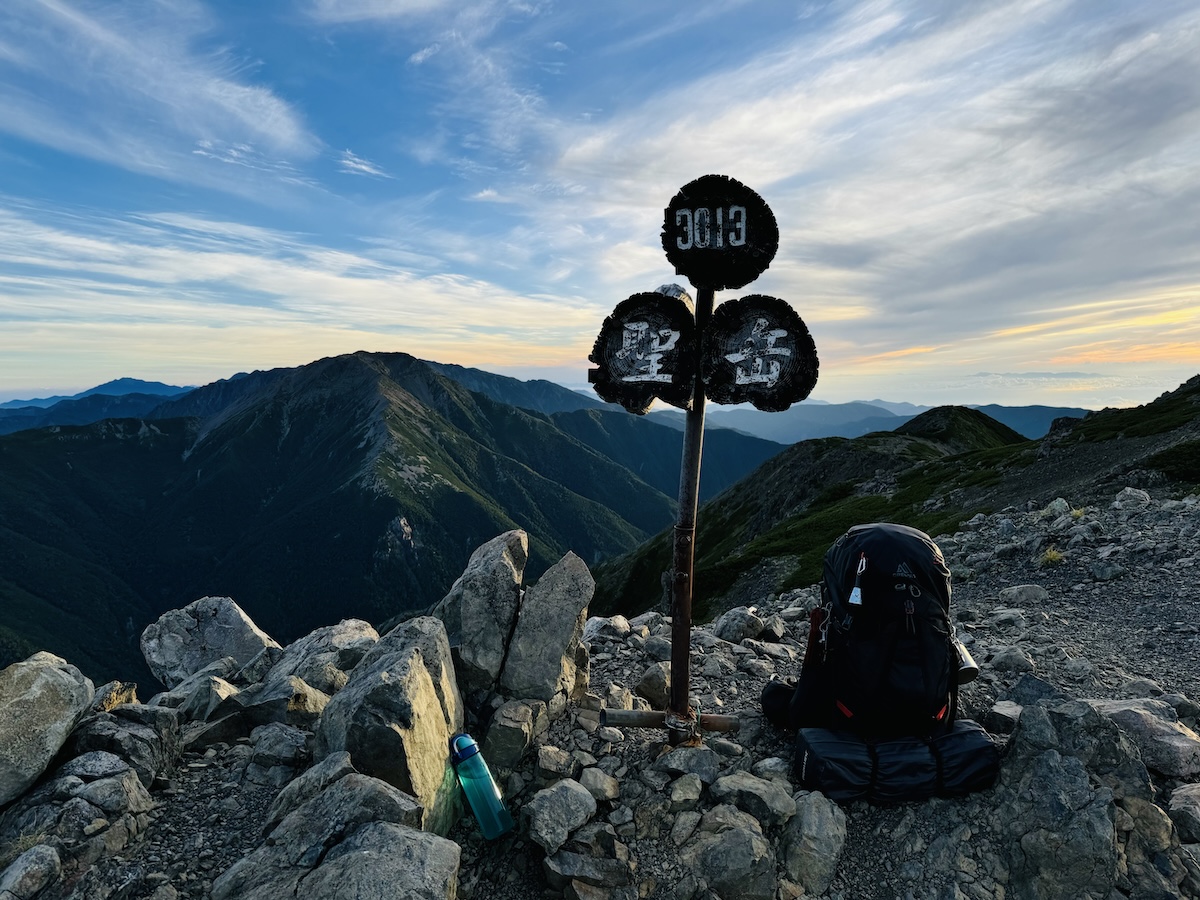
681,721
719,234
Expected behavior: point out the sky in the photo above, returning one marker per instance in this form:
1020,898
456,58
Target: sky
985,202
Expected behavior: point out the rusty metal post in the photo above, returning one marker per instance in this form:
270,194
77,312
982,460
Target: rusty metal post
681,721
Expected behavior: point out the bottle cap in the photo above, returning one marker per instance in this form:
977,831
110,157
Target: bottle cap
462,746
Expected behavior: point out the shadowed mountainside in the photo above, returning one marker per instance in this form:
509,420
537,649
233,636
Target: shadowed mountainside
353,486
769,532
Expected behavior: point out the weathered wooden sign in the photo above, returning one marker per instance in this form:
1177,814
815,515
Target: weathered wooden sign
646,349
718,233
757,350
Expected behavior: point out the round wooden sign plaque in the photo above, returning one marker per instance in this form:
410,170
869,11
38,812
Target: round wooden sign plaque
646,349
758,350
718,233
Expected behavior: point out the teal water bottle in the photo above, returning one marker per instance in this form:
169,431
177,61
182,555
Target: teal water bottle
483,794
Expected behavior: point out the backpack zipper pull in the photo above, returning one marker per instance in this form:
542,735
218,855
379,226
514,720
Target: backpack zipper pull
856,593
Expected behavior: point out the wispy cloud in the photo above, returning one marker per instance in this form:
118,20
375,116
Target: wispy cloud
64,282
356,165
955,184
355,11
424,54
135,87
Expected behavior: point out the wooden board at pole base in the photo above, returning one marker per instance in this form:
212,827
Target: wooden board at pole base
758,350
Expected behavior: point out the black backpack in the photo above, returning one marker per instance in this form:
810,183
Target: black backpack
882,659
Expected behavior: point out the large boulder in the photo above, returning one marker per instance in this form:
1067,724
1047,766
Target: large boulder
390,719
731,854
480,609
184,641
428,635
541,655
383,860
312,834
324,658
813,842
554,812
1167,746
41,701
1074,805
146,737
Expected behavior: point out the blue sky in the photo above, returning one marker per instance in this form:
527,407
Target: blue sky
995,201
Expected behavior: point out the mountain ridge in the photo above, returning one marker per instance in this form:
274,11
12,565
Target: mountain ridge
933,472
360,481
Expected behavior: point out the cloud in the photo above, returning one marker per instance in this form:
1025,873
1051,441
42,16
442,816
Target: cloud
424,54
351,164
224,295
358,11
133,86
945,172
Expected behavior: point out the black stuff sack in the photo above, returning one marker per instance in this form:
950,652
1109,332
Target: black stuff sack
845,766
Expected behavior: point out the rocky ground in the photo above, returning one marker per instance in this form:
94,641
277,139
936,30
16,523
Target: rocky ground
1098,601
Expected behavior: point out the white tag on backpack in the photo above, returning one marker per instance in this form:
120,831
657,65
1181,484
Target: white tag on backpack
856,592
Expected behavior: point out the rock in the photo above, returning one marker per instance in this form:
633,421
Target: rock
391,721
737,624
600,872
513,728
1011,659
94,764
1002,717
1030,690
737,863
258,668
307,836
302,789
1075,807
1008,618
114,693
118,794
383,860
701,761
813,841
481,608
763,799
554,762
1166,745
30,873
288,700
428,635
184,641
600,785
206,696
324,658
1055,508
1131,499
41,701
613,627
279,745
1185,812
224,668
554,812
684,793
658,648
1024,594
540,663
655,685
